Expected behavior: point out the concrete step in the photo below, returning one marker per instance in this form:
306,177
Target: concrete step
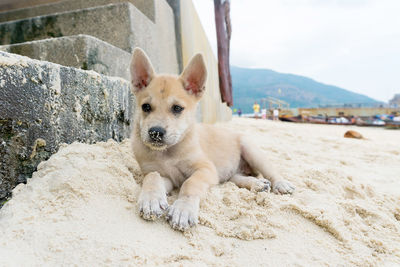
145,6
44,104
121,25
78,51
110,23
6,5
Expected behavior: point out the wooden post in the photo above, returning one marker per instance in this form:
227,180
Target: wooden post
224,30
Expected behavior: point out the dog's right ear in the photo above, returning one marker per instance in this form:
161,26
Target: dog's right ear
142,71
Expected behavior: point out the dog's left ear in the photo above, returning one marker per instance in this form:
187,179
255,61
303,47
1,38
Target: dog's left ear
194,76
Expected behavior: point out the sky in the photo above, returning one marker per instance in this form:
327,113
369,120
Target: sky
353,44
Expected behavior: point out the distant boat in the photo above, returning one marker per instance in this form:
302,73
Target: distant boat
370,122
341,121
392,125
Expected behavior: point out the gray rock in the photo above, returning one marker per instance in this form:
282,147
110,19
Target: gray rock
78,51
145,6
43,105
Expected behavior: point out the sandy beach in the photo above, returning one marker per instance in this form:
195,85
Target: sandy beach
79,208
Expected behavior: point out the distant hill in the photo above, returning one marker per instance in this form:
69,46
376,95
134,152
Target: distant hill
250,85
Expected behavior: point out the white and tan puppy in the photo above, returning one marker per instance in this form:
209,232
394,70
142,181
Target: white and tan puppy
174,151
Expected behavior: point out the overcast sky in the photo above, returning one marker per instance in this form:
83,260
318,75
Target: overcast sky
354,44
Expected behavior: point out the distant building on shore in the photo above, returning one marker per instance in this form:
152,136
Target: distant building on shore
395,101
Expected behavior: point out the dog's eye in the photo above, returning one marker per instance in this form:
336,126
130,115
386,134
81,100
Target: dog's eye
177,109
146,107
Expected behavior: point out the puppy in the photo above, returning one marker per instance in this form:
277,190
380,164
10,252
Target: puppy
174,151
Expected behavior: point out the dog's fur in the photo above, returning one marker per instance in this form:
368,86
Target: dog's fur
187,154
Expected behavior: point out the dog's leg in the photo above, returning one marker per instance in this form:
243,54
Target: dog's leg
184,212
258,162
153,197
251,183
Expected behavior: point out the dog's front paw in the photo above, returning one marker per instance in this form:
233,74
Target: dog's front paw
261,185
152,205
283,187
183,213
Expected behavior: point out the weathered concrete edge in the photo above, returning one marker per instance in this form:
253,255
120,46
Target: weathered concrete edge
79,51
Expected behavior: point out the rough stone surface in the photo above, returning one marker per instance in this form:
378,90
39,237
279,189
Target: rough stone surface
39,9
43,105
121,25
78,51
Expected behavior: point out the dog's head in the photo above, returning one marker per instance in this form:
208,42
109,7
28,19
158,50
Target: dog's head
166,104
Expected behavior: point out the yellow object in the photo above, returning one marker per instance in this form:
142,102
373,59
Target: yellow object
256,108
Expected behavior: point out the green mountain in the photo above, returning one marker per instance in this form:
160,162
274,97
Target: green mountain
251,85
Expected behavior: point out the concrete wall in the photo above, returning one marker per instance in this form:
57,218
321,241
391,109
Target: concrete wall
194,40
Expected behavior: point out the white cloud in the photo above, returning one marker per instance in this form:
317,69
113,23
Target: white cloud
354,44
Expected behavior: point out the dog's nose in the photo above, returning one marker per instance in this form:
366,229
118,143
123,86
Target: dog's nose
156,133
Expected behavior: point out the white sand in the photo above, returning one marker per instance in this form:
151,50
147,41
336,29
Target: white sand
80,207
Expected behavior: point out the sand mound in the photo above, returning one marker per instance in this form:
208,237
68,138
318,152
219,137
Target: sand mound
79,208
